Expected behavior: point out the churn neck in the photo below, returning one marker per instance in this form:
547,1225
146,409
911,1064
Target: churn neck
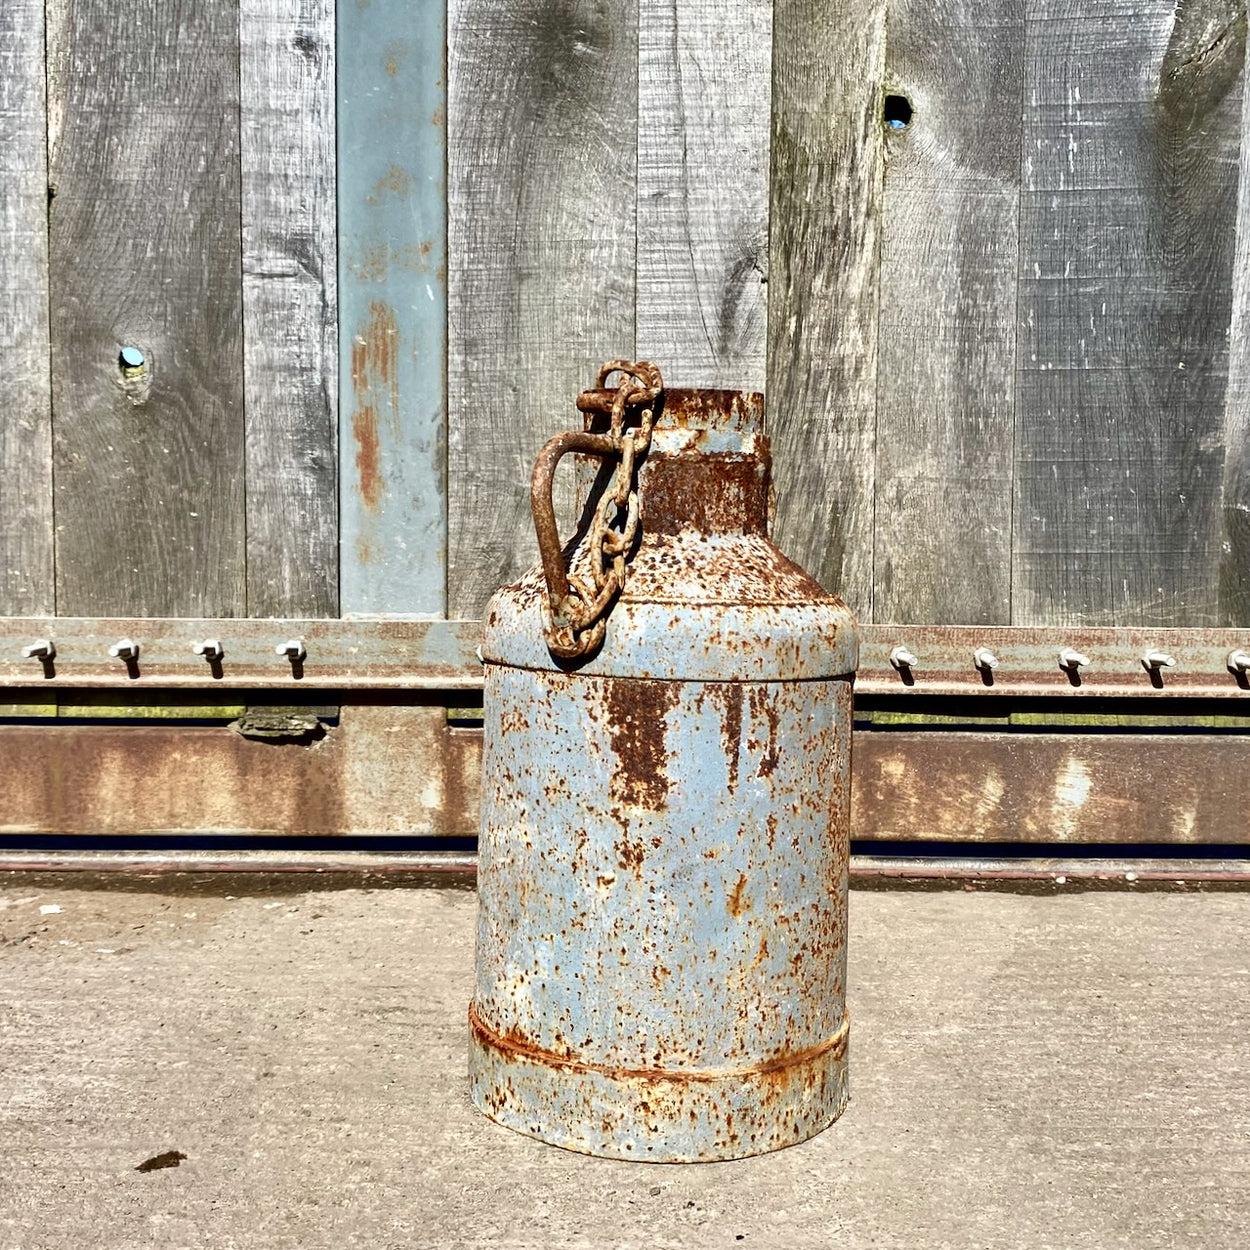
721,412
707,468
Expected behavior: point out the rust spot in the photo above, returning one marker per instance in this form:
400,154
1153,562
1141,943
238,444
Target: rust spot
636,711
393,56
737,903
397,180
630,855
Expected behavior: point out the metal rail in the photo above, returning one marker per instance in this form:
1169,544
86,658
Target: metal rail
47,653
435,868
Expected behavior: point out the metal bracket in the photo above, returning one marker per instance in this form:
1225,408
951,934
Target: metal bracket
956,660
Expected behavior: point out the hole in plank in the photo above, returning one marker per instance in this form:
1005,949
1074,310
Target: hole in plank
897,112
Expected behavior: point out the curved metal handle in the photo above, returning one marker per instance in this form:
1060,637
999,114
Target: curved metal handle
549,546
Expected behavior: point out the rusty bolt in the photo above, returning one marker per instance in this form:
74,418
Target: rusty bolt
1155,660
1238,661
984,658
40,649
125,649
1071,658
900,657
293,649
210,649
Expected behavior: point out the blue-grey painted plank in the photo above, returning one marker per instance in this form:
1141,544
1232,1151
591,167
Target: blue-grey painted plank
392,307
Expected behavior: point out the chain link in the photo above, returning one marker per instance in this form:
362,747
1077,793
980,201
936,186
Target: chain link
576,624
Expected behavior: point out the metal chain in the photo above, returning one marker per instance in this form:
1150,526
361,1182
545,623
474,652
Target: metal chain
576,625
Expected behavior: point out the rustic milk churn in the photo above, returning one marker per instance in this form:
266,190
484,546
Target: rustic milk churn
661,942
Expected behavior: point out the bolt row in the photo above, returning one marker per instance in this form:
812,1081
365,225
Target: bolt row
1070,660
127,649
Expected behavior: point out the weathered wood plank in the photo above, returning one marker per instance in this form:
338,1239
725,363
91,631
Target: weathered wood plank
1234,582
392,323
703,117
947,354
26,579
1130,157
290,320
145,253
543,104
823,285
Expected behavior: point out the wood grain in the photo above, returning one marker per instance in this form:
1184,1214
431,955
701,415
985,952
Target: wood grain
543,121
704,71
1131,142
290,318
947,354
1234,579
823,285
145,252
26,576
392,108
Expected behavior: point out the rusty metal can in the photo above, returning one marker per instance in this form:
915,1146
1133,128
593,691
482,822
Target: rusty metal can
661,940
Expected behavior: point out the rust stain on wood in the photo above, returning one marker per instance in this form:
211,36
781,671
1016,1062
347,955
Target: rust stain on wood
368,456
375,377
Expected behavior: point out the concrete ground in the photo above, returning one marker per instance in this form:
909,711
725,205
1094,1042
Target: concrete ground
1027,1071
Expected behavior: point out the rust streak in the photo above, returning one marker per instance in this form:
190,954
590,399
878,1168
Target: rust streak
375,383
513,1047
737,904
368,456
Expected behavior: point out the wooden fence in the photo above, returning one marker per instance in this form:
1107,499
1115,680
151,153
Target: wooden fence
369,257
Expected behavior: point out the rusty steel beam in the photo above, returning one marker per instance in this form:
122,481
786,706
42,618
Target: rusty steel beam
385,769
1052,787
392,769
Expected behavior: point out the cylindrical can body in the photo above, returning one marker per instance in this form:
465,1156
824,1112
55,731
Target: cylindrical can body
661,944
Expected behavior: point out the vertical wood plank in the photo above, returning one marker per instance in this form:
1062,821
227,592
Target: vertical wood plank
542,226
392,297
1234,582
823,285
1131,142
290,321
947,355
704,70
26,576
145,253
